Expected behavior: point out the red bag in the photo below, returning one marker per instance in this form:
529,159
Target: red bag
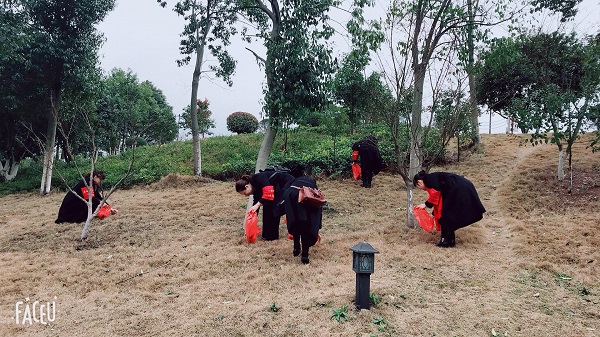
424,219
311,196
356,171
252,229
103,212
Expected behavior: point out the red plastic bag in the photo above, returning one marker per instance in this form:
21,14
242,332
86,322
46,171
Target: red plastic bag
424,219
103,212
252,229
356,171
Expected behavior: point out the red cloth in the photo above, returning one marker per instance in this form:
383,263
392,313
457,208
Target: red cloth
355,155
268,193
435,198
85,193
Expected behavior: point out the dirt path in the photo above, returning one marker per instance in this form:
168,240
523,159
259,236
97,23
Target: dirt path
501,259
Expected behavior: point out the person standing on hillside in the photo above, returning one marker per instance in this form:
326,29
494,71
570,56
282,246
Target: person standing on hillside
459,198
73,208
371,162
266,188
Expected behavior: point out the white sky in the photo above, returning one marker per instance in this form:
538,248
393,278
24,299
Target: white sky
144,37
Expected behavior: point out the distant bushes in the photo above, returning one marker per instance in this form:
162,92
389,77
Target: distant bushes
223,158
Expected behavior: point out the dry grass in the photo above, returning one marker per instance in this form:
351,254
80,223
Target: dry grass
174,262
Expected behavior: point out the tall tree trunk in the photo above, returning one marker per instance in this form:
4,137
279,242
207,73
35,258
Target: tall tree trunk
471,74
273,113
194,96
416,155
561,165
9,169
55,101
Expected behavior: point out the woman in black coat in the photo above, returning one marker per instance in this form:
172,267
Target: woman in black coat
303,221
75,210
266,188
371,162
460,202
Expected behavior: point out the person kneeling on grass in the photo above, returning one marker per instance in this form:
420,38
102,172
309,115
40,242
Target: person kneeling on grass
459,198
75,210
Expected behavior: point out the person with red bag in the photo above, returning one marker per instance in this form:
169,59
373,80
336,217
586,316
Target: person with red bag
73,209
304,220
461,204
371,162
266,188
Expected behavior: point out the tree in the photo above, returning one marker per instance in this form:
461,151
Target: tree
128,108
547,83
205,123
64,39
21,96
298,64
358,94
350,87
208,23
426,32
451,118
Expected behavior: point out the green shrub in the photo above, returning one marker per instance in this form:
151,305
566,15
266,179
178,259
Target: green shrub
310,149
242,122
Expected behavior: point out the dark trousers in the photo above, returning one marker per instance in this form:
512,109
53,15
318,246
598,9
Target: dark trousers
367,178
270,230
448,235
300,239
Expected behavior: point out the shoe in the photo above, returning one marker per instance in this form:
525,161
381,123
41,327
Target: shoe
304,260
296,252
452,240
444,243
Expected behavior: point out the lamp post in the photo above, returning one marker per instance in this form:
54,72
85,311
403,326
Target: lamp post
363,264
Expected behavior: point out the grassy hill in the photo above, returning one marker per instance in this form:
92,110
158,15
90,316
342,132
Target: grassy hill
223,157
174,260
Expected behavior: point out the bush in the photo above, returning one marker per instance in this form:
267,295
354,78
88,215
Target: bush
242,122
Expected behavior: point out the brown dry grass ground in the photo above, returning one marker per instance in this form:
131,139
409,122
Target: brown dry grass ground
173,262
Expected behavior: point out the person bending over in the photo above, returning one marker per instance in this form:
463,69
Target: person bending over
459,198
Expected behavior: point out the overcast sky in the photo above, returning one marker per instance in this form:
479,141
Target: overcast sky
144,37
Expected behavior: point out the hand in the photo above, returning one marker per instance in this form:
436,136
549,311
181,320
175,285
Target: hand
421,206
255,208
114,211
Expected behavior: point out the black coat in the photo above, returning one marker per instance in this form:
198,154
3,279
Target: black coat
460,202
370,158
74,209
279,180
301,219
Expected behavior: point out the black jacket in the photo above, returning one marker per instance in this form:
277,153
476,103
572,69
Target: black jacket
461,205
370,158
74,209
301,219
